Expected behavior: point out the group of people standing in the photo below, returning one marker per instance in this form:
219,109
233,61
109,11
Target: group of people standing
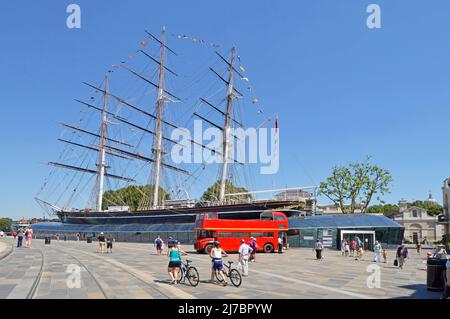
24,234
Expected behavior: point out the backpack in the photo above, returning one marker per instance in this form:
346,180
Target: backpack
158,242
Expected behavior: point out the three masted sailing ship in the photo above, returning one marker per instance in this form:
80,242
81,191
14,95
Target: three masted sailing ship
153,205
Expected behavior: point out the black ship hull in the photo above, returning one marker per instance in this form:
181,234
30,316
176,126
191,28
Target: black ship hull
176,216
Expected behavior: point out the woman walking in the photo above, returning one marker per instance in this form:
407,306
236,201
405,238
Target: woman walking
28,237
378,249
174,253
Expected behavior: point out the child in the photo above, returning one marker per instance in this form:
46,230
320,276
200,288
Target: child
385,254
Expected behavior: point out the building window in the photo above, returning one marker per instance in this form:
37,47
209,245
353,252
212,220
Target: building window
414,213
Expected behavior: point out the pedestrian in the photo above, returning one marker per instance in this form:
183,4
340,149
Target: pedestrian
385,256
352,247
174,253
244,255
343,244
159,245
20,235
101,242
280,245
28,237
377,249
440,253
446,294
217,264
418,247
347,248
171,242
318,247
254,246
109,243
78,236
402,254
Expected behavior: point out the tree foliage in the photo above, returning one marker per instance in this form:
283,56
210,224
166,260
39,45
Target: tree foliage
132,196
5,224
213,192
387,209
355,185
433,209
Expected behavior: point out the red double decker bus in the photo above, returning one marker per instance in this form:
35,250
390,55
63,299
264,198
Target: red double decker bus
266,230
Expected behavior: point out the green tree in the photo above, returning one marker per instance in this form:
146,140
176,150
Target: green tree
5,224
387,209
433,209
355,185
133,196
212,193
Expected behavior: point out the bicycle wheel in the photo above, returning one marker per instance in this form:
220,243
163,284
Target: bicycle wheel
219,277
181,275
192,276
235,277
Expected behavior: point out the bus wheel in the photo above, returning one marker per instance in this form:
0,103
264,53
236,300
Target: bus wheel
208,248
268,248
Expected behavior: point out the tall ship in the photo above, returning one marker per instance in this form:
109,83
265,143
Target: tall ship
138,151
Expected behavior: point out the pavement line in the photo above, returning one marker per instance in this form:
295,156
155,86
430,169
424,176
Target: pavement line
145,277
306,283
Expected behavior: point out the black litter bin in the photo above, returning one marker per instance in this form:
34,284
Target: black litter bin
436,272
89,240
48,240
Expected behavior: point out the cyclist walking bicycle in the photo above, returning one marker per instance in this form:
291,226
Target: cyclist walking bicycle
217,264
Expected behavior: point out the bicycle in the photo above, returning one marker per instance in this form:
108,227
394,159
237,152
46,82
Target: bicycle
189,272
232,273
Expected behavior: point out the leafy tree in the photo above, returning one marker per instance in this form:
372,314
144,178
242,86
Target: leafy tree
132,196
433,209
387,209
5,224
358,181
212,193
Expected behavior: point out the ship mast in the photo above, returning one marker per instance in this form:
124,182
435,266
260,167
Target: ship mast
157,145
102,152
226,129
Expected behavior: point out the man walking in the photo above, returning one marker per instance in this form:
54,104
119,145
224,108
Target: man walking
101,243
280,245
318,248
20,235
158,244
244,255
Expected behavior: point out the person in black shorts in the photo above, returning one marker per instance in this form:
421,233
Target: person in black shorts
109,243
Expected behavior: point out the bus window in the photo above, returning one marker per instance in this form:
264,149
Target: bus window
205,234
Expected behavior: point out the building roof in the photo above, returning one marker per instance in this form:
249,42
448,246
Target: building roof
343,221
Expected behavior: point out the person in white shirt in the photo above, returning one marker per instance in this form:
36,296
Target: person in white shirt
318,247
244,254
280,245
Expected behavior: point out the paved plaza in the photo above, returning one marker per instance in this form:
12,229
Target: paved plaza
135,271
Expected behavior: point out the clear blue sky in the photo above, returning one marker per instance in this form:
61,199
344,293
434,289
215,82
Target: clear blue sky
342,91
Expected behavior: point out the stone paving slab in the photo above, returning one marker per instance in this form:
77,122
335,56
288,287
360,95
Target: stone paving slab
134,271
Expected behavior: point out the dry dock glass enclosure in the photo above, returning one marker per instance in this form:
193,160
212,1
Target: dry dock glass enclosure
303,232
